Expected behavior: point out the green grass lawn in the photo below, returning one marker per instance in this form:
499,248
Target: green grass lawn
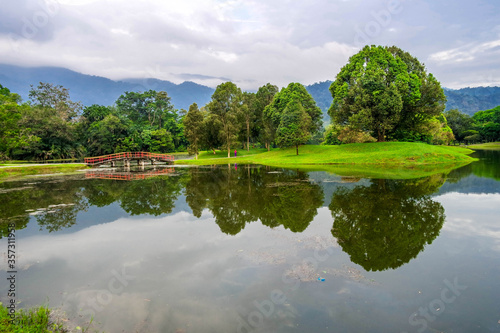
488,146
383,153
26,169
223,153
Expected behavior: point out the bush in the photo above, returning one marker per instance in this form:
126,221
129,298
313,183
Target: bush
351,135
331,135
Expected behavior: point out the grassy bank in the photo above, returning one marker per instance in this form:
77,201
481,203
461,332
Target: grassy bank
486,146
387,154
26,169
37,320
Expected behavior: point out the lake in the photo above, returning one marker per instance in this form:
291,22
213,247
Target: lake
259,249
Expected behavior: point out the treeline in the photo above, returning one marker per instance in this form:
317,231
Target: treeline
381,94
286,118
51,126
483,126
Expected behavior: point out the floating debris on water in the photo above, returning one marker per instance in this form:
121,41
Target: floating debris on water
15,189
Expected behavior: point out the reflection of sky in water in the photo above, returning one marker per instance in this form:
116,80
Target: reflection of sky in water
473,215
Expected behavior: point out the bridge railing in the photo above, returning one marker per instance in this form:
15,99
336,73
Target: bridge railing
128,155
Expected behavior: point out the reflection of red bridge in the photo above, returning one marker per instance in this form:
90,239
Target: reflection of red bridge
126,157
127,175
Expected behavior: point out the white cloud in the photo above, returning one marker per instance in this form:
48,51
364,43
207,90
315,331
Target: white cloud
467,52
251,42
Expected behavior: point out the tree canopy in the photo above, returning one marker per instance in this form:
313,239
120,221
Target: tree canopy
483,126
225,107
193,129
386,92
292,111
294,127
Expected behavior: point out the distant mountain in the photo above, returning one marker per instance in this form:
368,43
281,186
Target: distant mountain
467,100
319,91
471,100
90,89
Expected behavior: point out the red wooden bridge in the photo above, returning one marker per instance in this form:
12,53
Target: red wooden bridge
140,156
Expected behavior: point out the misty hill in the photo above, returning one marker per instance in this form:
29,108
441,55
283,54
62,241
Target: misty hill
90,89
467,100
471,100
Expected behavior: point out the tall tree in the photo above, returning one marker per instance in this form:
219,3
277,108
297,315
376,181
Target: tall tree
248,114
103,136
294,126
150,107
263,127
459,123
212,128
12,135
55,97
193,129
52,119
225,106
386,91
294,92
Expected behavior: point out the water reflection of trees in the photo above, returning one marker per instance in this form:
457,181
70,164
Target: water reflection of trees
153,196
388,223
56,204
247,194
486,167
383,225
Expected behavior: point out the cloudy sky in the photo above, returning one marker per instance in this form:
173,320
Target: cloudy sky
249,42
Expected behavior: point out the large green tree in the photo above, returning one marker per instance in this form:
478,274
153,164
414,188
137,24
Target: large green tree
225,107
487,123
52,118
193,127
12,135
150,107
55,97
263,127
247,113
459,123
294,93
103,136
386,91
294,127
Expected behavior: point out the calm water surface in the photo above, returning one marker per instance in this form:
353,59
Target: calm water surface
260,249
